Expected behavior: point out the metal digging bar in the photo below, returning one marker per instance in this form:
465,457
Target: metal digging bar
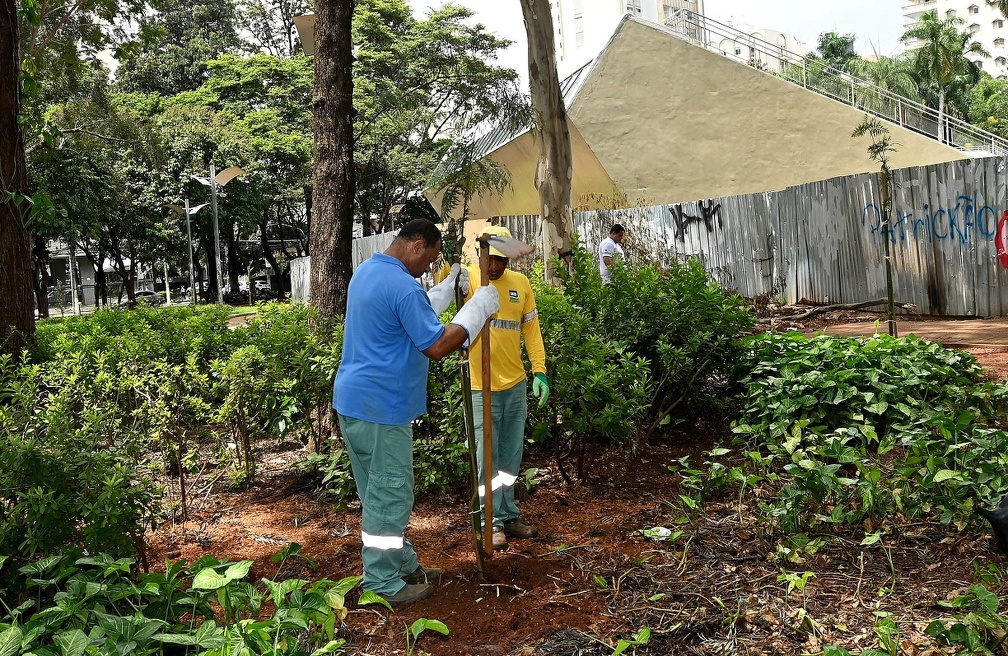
470,431
835,84
453,253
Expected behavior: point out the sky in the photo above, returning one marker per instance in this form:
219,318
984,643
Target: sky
876,24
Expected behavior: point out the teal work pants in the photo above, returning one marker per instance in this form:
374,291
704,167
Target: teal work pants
509,411
381,457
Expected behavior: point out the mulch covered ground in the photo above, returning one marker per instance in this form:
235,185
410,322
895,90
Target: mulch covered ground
592,577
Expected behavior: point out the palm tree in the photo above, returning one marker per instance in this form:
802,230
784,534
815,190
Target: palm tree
836,50
893,73
943,65
1002,6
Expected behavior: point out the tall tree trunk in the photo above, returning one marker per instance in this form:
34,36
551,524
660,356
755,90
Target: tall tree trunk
211,259
17,311
41,278
553,175
268,254
331,229
233,266
308,211
332,209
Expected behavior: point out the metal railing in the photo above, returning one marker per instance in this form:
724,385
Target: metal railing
832,83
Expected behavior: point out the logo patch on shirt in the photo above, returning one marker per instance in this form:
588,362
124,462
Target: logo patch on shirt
513,295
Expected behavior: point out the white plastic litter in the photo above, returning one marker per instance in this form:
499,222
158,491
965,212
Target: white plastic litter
657,533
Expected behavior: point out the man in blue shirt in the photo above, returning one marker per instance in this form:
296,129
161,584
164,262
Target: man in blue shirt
392,328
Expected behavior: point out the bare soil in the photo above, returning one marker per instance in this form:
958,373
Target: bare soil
592,578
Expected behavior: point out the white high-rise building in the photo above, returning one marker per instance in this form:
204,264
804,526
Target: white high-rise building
584,26
986,23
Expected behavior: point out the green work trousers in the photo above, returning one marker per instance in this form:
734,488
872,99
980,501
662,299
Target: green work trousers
381,457
509,410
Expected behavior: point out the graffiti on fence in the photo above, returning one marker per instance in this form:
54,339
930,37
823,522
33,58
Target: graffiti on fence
706,213
965,220
1001,240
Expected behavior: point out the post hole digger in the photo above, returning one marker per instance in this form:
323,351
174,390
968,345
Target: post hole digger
496,249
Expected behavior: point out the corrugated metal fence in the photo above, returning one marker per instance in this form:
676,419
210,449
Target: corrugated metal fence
822,242
361,249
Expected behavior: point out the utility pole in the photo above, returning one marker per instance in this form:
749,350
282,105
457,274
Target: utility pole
216,232
221,179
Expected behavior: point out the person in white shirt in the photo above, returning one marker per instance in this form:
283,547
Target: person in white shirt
608,249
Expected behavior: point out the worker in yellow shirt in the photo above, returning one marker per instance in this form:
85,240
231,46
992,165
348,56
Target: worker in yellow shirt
516,318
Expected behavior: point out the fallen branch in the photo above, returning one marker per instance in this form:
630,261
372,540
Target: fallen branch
909,307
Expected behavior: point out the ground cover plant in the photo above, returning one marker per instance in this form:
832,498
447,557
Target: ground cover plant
850,431
822,522
100,605
870,442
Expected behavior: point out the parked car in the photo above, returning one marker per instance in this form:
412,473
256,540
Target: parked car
145,297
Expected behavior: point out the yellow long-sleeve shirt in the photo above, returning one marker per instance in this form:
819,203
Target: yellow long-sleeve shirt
516,318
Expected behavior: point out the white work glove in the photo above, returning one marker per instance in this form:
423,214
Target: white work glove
442,294
484,302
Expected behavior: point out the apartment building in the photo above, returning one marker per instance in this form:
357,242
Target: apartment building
583,26
762,47
986,23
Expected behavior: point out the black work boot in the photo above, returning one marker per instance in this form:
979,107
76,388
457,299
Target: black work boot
516,529
424,575
410,593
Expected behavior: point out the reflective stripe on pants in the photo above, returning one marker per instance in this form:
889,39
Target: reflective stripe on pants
509,410
381,457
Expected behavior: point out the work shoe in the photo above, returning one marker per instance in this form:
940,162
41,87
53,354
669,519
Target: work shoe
409,593
499,539
515,529
424,575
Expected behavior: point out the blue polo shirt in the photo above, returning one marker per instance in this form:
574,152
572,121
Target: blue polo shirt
382,376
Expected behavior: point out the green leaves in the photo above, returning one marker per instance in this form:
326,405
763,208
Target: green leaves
424,624
869,443
117,616
210,579
368,598
639,638
10,642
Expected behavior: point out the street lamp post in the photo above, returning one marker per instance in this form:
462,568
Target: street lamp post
218,180
187,212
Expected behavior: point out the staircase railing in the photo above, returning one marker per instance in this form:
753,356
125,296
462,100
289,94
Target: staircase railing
832,83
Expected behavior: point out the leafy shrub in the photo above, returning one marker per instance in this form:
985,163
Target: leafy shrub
244,385
56,488
300,365
93,605
598,392
849,431
672,315
623,357
334,468
169,334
